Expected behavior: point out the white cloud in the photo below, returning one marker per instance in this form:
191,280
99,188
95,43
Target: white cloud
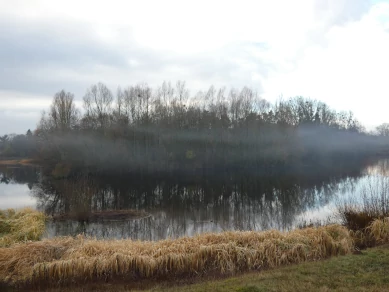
332,50
13,100
179,26
349,72
20,112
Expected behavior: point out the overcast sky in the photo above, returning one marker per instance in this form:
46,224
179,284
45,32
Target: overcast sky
336,51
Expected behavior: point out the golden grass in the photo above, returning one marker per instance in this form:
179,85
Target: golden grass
19,226
350,273
379,230
66,260
376,233
61,261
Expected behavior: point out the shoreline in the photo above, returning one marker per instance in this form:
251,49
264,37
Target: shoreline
67,262
19,161
108,215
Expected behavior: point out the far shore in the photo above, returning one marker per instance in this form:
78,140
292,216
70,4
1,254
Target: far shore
18,161
113,215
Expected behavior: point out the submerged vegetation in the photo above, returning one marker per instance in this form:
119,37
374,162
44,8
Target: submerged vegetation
20,226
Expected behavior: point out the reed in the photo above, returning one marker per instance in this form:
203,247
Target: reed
60,261
379,230
367,207
19,226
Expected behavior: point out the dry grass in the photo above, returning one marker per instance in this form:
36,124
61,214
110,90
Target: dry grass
379,230
365,209
367,272
62,261
19,226
376,233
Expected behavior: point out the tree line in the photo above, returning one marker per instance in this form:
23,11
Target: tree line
214,132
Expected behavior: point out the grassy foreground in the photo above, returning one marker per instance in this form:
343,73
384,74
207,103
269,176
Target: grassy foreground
68,262
365,272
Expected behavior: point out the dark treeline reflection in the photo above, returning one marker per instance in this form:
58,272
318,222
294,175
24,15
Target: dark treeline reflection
20,175
181,207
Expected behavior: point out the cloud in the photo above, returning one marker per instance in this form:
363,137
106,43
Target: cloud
296,48
38,56
20,112
43,57
349,71
341,12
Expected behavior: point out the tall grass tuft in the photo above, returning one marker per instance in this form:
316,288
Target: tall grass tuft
60,261
359,212
20,226
379,230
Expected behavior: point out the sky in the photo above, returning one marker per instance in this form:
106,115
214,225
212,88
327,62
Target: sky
336,51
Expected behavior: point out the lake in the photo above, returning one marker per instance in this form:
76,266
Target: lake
181,207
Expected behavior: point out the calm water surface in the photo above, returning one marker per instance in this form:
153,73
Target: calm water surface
180,208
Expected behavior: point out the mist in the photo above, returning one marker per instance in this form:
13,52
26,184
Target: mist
166,131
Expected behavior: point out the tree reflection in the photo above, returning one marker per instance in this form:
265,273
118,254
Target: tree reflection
183,207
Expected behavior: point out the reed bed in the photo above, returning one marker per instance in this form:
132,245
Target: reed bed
19,226
61,261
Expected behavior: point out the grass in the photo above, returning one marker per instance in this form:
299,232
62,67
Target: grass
359,212
68,261
365,272
20,226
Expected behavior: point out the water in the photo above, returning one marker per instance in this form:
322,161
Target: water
15,186
180,207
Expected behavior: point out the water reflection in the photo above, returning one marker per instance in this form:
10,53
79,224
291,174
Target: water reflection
181,207
184,208
15,186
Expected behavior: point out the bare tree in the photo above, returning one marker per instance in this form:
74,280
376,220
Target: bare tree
235,105
182,92
63,114
119,101
143,97
383,129
98,104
